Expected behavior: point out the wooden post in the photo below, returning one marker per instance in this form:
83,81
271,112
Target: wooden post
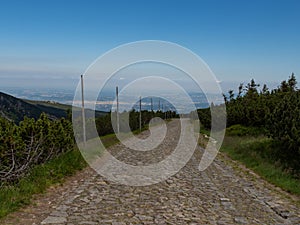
83,111
166,112
140,113
118,120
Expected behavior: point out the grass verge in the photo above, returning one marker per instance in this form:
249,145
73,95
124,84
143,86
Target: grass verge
259,154
41,177
14,196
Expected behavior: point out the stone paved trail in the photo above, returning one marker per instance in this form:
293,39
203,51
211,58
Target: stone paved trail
219,195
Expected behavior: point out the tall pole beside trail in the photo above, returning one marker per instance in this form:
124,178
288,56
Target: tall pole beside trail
140,113
83,111
151,108
118,120
166,111
158,105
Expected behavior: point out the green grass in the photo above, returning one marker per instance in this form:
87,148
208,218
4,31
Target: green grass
41,177
259,154
203,130
14,196
239,130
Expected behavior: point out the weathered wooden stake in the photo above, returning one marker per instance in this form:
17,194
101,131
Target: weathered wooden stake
118,120
140,113
83,111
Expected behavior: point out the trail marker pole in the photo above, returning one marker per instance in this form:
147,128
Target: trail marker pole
118,120
83,111
166,113
140,113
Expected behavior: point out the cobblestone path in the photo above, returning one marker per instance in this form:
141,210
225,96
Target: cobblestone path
225,193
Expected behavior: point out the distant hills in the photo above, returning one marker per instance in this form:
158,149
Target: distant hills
14,109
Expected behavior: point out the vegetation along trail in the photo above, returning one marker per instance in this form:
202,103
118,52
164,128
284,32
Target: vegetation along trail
225,193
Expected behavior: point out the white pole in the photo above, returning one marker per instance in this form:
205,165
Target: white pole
118,120
166,112
140,113
83,111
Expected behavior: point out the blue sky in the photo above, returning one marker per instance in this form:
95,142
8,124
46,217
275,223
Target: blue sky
239,40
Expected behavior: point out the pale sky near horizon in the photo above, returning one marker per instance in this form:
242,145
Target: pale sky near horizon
44,41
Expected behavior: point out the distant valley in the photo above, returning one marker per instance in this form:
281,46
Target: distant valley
105,100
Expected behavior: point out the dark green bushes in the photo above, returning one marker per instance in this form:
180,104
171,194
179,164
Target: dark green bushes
274,113
284,127
30,143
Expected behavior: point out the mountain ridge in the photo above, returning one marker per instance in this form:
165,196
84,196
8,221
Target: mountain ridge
15,109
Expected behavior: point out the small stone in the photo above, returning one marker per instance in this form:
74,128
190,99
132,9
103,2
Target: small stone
240,220
88,223
118,223
284,214
59,214
53,220
169,181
